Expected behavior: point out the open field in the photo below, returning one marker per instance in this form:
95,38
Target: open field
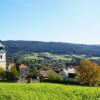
47,91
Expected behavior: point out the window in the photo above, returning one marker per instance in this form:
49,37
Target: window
71,75
0,56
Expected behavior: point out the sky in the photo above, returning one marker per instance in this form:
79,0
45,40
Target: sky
73,21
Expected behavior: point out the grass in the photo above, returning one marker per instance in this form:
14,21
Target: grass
47,91
31,58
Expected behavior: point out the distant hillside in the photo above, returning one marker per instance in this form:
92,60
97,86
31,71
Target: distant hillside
27,47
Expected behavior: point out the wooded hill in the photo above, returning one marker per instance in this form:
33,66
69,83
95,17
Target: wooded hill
14,48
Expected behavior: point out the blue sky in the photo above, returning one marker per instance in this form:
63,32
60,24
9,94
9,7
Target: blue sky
74,21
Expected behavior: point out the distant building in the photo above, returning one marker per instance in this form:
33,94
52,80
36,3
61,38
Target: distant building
68,74
2,56
11,65
44,74
24,71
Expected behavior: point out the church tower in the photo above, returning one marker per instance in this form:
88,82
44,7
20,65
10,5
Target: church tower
2,56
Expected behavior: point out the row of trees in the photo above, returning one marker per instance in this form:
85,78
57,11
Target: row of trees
13,75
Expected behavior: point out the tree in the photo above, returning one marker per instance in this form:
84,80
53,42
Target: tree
88,73
2,74
29,77
44,66
12,75
17,63
34,73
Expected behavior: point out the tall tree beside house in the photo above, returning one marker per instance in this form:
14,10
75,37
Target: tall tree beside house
34,73
88,73
17,62
17,67
28,78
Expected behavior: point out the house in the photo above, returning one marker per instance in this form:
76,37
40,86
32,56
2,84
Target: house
68,74
2,56
11,65
56,69
24,71
44,74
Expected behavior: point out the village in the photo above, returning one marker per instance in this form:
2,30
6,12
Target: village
49,49
28,70
42,74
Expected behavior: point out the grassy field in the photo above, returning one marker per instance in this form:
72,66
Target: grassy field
46,91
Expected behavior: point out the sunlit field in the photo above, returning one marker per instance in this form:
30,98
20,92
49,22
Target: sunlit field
47,91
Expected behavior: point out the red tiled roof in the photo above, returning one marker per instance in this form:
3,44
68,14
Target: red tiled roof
23,66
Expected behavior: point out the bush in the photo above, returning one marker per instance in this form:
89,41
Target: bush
12,75
2,74
55,76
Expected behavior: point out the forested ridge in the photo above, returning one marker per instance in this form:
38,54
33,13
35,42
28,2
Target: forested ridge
28,47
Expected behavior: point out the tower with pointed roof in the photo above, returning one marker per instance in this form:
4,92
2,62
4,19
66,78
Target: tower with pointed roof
2,56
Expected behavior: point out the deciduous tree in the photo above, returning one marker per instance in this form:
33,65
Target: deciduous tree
12,75
88,73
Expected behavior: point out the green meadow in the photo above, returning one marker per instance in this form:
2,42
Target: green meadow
47,91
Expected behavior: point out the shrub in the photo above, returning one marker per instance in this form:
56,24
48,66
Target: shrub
55,76
2,74
12,75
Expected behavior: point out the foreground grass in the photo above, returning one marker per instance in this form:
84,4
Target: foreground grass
46,91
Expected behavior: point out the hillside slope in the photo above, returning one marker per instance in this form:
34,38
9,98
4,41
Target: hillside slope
25,47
